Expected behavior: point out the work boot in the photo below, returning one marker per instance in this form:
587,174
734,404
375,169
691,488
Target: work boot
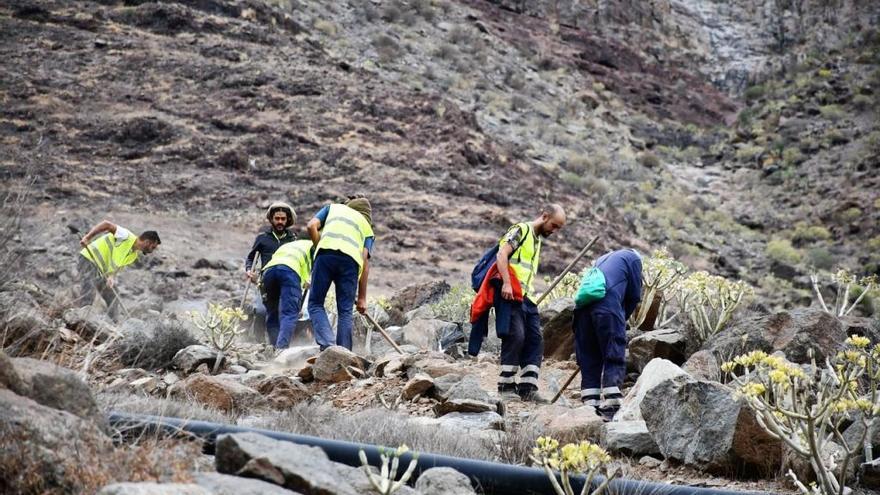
607,413
531,395
508,392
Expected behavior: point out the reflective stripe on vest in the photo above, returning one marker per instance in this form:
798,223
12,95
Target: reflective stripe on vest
108,255
345,230
524,261
294,255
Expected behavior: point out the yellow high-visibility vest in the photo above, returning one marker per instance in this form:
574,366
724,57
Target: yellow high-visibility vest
295,255
524,260
108,255
345,230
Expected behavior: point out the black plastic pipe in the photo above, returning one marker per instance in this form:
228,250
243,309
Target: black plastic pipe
490,477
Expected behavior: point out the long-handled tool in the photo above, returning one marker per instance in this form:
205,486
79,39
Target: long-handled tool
117,299
565,385
566,270
382,331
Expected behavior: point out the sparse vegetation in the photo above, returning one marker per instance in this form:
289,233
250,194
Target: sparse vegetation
850,291
221,325
573,458
455,305
153,348
386,481
782,251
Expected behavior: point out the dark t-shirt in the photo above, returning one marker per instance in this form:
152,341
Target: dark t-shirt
266,244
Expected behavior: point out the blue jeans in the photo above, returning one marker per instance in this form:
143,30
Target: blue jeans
600,347
341,270
283,302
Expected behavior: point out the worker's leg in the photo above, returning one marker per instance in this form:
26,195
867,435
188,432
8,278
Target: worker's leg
611,333
511,346
88,277
288,306
346,283
322,272
589,356
532,351
272,284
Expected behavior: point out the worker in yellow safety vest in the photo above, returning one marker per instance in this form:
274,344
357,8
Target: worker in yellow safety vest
343,238
284,279
106,249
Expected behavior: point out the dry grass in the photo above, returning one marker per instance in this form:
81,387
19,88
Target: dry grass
25,468
155,348
172,408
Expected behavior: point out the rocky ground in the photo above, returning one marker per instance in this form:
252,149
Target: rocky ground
742,138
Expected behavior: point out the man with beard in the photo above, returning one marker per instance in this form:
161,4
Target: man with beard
522,343
281,217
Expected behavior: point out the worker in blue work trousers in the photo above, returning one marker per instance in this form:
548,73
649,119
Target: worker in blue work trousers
284,278
522,343
343,238
609,292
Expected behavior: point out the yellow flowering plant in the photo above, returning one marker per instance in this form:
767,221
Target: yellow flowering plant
661,274
572,458
847,285
709,301
808,407
220,324
385,482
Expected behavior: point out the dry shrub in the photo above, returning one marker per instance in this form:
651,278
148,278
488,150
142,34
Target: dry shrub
155,406
153,349
25,467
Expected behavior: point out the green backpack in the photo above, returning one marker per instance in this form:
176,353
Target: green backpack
592,288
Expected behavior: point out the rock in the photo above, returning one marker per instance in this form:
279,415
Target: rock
444,481
381,347
443,384
676,411
458,421
417,386
306,374
282,392
44,441
296,467
469,388
295,357
566,424
463,406
792,332
420,313
650,462
150,488
556,319
213,264
703,365
238,370
225,395
89,323
147,384
413,296
628,437
434,364
9,378
191,357
170,378
23,323
664,343
361,324
58,388
657,371
331,364
224,484
428,334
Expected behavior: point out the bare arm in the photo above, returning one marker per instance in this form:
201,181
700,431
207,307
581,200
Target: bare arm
314,228
104,226
502,262
362,284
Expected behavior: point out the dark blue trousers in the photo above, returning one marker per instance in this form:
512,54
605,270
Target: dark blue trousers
480,328
283,303
341,270
522,348
600,347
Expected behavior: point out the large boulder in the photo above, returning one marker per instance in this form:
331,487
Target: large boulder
417,386
191,357
217,392
435,364
224,484
89,323
282,392
58,388
569,425
296,467
703,365
665,343
296,357
332,365
9,378
793,332
151,488
429,334
628,437
379,346
24,326
413,296
444,481
703,424
556,321
656,372
46,442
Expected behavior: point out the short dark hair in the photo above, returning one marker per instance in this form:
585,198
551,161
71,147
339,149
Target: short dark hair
150,235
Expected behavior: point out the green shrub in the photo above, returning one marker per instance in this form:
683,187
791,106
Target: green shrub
792,156
820,258
749,152
649,159
386,47
455,305
781,250
863,102
804,232
826,73
832,112
574,179
325,27
755,92
850,215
